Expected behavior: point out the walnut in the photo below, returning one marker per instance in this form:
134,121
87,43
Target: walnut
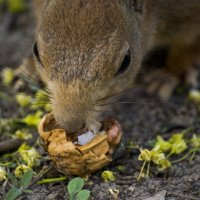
71,158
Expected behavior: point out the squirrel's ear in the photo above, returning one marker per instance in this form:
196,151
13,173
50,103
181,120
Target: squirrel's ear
137,5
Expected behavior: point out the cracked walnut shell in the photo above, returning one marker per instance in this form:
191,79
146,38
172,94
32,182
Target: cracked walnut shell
74,159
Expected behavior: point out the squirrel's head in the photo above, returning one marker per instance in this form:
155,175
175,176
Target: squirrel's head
87,51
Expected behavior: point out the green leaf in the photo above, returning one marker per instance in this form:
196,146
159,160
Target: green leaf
75,185
26,178
83,195
13,193
13,179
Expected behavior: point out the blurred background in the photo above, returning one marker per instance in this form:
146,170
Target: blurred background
16,31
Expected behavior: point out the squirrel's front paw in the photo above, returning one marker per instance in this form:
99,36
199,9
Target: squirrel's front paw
161,82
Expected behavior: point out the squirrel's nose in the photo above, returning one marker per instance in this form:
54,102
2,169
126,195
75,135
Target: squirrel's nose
74,128
71,125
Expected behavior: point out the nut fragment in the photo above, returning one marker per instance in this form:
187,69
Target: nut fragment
74,159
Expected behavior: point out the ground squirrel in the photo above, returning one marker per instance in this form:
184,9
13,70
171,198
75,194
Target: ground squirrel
89,50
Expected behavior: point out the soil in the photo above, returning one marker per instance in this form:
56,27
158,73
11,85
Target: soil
141,120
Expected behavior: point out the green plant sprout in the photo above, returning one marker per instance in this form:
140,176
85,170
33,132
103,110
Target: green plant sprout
29,155
178,144
20,187
153,156
23,134
164,149
24,100
3,174
121,168
194,96
108,176
14,6
22,160
7,76
52,180
75,190
33,119
26,157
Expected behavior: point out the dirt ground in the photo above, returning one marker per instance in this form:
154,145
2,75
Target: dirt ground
141,122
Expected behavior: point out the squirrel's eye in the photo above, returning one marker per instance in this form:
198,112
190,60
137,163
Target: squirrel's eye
125,64
36,52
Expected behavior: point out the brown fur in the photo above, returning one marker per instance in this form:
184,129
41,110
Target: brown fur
82,44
